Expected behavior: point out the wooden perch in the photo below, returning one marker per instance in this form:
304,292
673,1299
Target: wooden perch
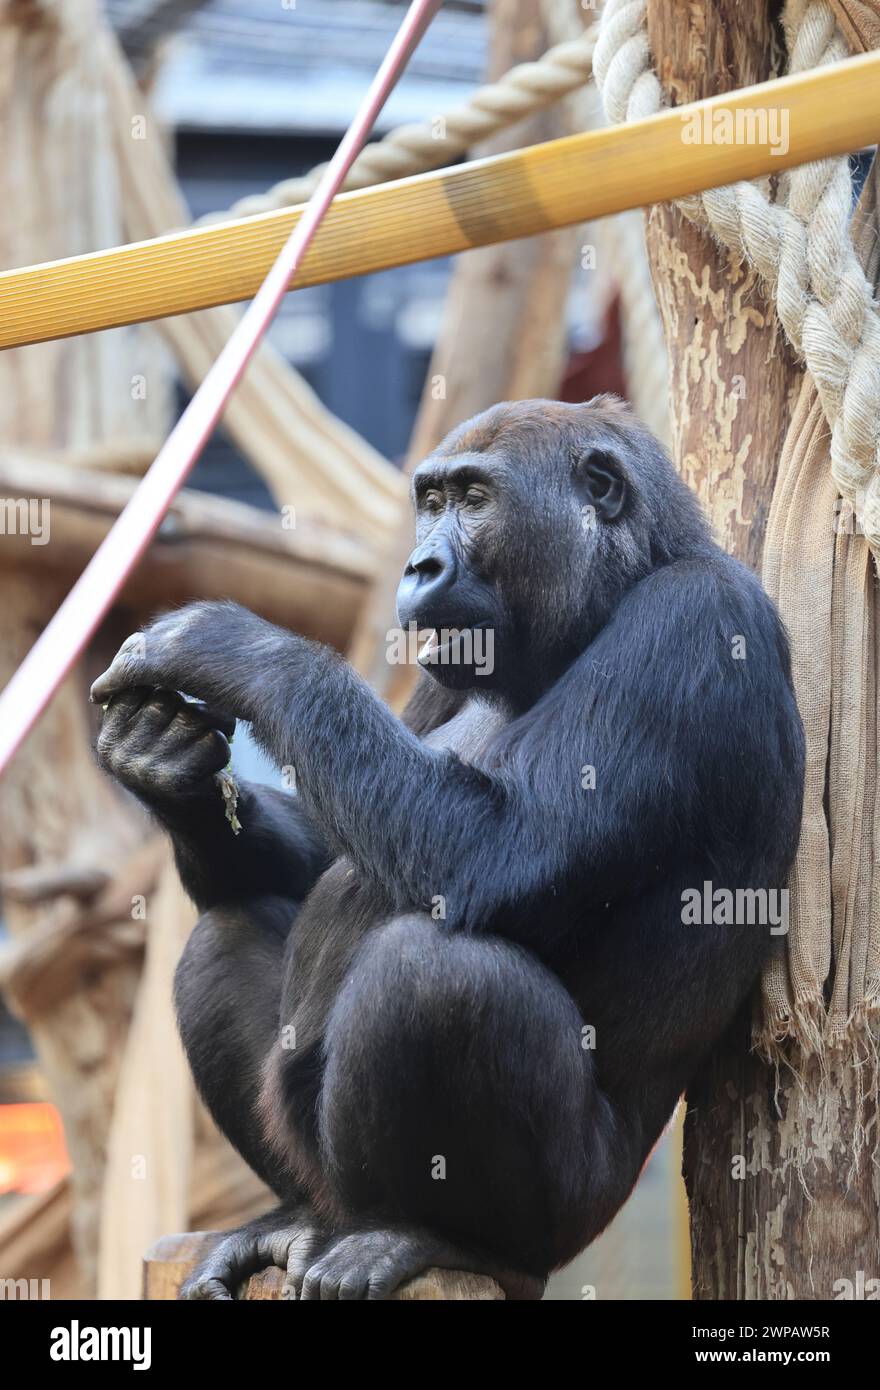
312,577
832,110
44,965
170,1260
39,883
107,455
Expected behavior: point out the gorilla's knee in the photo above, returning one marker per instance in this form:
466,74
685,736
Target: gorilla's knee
456,1087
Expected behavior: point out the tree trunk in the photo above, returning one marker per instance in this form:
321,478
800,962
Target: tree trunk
733,385
732,377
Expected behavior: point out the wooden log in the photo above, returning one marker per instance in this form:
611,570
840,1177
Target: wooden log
170,1260
43,883
558,184
311,578
42,968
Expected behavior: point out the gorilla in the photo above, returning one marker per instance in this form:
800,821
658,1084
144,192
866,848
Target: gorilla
445,998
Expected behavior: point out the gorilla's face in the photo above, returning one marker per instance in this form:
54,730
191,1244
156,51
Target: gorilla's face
449,589
504,582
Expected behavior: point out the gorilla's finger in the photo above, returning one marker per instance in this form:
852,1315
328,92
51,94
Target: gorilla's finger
123,671
178,731
310,1290
160,710
127,703
121,717
139,716
207,754
212,717
209,1289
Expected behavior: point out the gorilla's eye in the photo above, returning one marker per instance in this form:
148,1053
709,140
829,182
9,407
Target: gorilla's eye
475,497
432,502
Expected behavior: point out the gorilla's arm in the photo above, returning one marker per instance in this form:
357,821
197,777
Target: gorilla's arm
643,706
276,852
371,787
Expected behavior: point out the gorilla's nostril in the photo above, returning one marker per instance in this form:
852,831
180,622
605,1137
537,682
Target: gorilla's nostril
429,568
431,564
425,565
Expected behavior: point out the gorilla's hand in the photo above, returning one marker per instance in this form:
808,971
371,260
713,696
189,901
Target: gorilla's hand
162,748
211,650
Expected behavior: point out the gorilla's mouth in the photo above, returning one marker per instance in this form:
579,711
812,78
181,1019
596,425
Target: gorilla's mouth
452,645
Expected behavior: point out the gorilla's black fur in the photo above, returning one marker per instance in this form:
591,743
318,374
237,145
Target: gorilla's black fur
446,998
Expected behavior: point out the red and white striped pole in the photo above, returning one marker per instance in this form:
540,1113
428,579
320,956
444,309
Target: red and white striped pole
65,637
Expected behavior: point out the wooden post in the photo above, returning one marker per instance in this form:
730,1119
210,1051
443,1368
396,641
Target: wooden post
757,1230
732,383
732,376
170,1260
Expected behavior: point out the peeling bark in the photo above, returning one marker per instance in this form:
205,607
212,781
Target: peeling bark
732,377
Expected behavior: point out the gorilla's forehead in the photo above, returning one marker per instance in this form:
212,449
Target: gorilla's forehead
520,430
510,426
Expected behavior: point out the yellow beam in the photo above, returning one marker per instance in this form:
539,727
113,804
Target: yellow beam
831,111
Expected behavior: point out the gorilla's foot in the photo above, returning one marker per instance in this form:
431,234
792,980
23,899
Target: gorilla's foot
371,1264
287,1238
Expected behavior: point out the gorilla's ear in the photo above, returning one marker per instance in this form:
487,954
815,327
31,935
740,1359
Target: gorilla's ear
600,482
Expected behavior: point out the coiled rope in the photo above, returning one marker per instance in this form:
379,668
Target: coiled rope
799,244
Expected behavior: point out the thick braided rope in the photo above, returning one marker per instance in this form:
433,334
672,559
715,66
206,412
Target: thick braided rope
412,149
800,245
